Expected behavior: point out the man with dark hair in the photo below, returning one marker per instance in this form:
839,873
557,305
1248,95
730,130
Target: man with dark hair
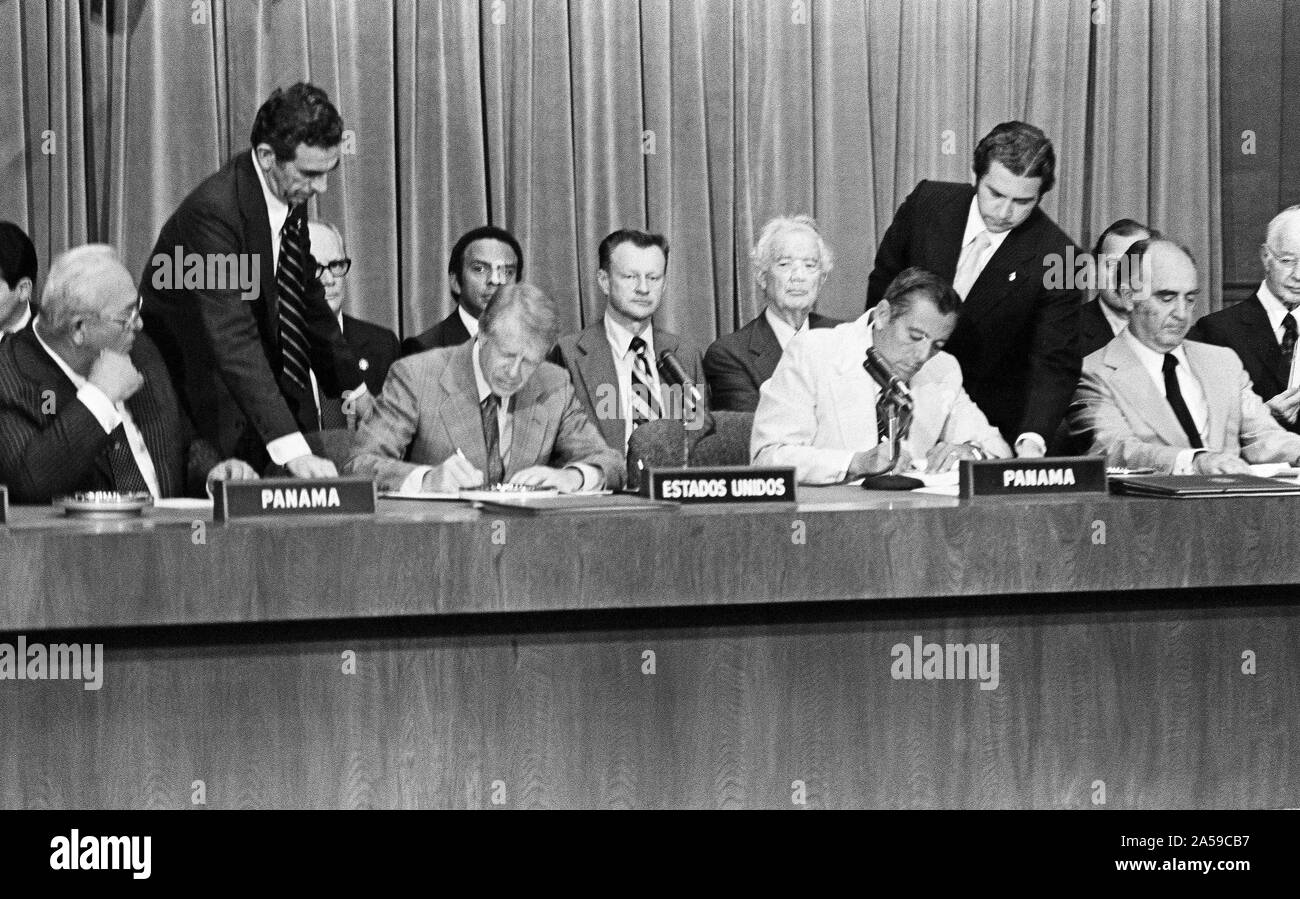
490,411
482,262
1018,339
241,350
1106,314
822,413
1262,330
615,363
1153,399
17,278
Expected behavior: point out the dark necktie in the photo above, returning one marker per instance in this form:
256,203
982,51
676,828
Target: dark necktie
126,474
496,470
290,283
1175,396
645,402
1288,344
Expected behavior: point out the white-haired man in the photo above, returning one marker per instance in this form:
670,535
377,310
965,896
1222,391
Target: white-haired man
791,262
85,401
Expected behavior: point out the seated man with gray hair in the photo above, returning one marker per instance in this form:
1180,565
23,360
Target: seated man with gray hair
487,412
85,402
791,262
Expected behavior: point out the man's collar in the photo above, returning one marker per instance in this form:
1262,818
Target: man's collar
276,208
781,328
469,321
1152,360
77,380
21,322
975,224
1273,307
620,338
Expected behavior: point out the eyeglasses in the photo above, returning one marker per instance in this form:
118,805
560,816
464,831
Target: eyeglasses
338,268
1287,262
128,323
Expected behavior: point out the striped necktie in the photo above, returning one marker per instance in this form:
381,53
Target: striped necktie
646,405
290,283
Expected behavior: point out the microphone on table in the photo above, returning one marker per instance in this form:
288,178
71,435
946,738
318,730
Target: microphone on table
675,373
899,397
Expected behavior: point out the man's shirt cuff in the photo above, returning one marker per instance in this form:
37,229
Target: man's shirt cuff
284,450
1184,462
414,482
100,406
1031,438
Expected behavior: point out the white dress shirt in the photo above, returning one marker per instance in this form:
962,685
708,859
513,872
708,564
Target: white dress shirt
1276,311
109,415
470,322
974,225
781,328
620,345
1193,393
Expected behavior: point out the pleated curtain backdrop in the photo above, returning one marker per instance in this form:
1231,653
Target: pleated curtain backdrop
564,120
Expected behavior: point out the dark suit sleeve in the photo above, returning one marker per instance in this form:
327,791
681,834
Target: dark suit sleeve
41,459
1054,361
232,332
892,256
730,386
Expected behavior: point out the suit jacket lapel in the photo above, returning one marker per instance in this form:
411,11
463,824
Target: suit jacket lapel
1220,393
1133,382
257,235
595,365
764,348
1258,332
990,288
529,427
461,413
947,227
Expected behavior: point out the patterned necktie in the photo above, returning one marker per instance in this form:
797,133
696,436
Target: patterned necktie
645,400
126,474
968,266
1175,396
1288,344
882,418
496,469
290,283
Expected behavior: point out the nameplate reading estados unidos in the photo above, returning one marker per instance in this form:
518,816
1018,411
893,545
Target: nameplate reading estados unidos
722,484
1011,477
292,497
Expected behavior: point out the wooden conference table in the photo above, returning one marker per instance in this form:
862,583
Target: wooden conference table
438,656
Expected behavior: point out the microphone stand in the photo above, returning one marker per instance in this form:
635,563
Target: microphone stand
897,423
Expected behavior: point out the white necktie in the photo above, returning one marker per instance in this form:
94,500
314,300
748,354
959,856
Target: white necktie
968,266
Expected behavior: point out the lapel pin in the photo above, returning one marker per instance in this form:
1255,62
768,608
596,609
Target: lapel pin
363,364
1011,277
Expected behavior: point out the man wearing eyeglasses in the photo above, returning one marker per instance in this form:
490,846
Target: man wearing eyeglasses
1262,330
85,402
242,362
375,347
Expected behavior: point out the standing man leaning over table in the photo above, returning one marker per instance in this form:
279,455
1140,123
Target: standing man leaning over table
242,364
1018,338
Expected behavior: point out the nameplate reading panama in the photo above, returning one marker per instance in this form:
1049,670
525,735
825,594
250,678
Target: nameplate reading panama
1009,477
275,497
723,484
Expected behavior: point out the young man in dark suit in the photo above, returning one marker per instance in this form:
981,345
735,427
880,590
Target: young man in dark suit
482,262
615,363
1262,329
85,402
1018,337
791,262
241,355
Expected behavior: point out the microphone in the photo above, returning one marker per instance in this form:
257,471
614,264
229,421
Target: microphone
894,387
673,371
